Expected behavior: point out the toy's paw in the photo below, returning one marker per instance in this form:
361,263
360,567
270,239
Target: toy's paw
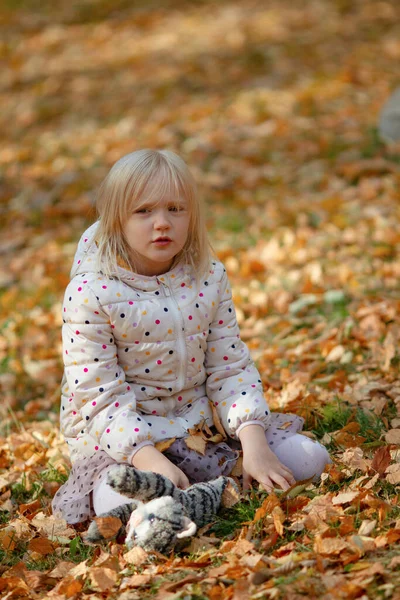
122,479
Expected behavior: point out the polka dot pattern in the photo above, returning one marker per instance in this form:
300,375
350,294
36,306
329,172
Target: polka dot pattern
152,349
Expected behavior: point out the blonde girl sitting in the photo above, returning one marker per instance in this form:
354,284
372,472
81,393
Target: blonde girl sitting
149,338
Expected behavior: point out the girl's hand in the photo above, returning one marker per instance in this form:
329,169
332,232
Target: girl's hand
260,463
149,458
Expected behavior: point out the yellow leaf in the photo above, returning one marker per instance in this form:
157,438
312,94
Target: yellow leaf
197,443
164,444
216,420
278,517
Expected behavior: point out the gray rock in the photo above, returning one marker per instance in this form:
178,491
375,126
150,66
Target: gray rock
389,119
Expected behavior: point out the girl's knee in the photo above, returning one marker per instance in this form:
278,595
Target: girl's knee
303,456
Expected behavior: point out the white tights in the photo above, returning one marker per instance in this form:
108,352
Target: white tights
304,457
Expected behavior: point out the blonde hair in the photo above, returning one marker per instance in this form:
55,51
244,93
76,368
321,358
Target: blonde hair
148,174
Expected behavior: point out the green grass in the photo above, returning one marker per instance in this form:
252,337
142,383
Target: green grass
229,520
335,416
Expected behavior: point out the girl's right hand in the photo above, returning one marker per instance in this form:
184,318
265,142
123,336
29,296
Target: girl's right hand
149,458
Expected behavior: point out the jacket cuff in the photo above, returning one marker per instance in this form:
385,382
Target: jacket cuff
243,425
139,447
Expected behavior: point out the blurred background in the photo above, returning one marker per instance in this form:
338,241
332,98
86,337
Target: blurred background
275,106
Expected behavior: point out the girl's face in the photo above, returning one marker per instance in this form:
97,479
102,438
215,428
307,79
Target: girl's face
156,233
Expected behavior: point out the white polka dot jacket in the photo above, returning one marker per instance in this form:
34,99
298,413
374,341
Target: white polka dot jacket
144,355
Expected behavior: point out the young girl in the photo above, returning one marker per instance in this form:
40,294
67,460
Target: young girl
149,338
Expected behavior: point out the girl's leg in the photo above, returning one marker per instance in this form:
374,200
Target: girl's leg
104,497
304,457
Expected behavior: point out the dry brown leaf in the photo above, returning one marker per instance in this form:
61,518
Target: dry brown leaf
230,496
217,421
279,518
8,538
61,569
393,436
137,556
393,474
197,443
381,460
164,445
367,527
270,502
102,578
329,546
216,439
108,526
68,587
389,346
344,498
237,470
135,581
42,546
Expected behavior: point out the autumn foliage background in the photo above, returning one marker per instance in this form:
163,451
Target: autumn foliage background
274,105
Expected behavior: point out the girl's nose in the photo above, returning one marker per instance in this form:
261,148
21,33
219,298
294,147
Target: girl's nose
161,221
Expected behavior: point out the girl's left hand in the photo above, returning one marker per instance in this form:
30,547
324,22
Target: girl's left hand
260,463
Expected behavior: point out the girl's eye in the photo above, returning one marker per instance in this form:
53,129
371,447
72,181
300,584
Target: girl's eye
176,209
143,211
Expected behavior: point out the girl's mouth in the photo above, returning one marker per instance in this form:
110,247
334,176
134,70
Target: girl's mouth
162,241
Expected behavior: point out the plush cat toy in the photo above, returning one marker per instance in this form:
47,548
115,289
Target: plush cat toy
169,514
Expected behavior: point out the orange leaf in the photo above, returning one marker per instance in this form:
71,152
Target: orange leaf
165,444
279,517
267,507
108,526
381,460
42,546
67,587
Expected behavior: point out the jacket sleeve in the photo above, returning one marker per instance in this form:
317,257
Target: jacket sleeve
233,382
96,382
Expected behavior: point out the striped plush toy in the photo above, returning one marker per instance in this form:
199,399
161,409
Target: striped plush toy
161,513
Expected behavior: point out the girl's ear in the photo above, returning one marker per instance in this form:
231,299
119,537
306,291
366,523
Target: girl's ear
190,528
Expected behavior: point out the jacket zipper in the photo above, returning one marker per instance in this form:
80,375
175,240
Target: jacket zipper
178,322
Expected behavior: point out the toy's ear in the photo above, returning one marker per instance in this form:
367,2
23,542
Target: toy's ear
190,528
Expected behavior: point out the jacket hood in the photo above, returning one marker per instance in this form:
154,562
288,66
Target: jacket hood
86,260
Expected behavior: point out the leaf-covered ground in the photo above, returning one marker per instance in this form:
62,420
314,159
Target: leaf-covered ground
274,105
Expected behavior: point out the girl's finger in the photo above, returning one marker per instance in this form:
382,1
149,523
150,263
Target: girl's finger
267,485
281,481
247,479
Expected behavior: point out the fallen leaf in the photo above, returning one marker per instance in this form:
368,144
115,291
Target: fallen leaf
108,526
164,444
217,421
137,556
197,443
230,496
393,436
68,587
102,578
381,460
135,581
42,546
344,498
279,518
393,474
367,527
